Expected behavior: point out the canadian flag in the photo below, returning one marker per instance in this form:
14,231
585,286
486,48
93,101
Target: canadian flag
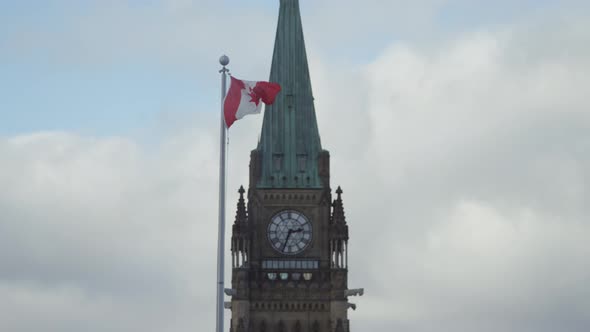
244,98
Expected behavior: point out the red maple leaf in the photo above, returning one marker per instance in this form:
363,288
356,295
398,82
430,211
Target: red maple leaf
255,98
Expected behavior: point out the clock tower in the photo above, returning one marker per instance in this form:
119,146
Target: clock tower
289,241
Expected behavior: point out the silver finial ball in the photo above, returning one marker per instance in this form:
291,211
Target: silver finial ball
224,60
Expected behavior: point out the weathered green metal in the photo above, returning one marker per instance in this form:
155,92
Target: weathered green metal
290,144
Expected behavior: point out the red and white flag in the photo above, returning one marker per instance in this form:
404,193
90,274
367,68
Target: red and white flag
244,97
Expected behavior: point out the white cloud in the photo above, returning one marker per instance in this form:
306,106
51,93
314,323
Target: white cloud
99,224
469,194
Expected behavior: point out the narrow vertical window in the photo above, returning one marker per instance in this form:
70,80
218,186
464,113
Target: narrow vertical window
302,162
277,161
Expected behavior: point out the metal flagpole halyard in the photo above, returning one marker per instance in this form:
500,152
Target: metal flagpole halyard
224,61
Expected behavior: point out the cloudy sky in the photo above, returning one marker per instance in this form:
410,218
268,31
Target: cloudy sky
459,131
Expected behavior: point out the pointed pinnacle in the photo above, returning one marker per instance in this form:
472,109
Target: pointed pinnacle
339,191
241,191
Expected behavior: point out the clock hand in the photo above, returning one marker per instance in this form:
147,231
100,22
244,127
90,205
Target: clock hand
286,240
291,231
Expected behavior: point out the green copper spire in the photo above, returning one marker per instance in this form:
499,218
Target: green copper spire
289,145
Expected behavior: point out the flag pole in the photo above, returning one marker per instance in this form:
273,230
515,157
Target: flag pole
224,61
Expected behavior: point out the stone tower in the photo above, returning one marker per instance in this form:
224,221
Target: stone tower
289,241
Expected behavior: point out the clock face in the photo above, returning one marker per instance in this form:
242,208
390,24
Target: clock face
289,232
